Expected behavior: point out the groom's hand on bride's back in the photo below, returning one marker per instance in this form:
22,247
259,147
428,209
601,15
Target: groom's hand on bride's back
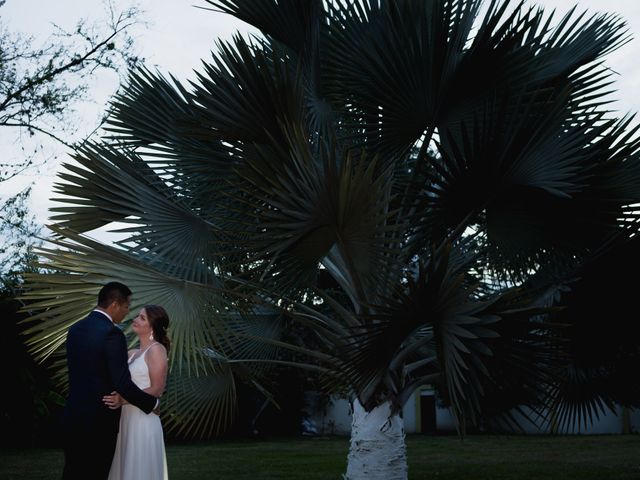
113,400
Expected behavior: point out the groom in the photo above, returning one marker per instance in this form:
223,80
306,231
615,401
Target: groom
97,361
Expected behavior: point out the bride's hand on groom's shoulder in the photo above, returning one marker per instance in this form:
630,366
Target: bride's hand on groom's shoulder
113,401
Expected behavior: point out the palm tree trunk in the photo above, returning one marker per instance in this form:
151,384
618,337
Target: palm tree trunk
377,444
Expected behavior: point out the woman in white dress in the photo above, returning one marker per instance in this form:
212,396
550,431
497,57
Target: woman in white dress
140,453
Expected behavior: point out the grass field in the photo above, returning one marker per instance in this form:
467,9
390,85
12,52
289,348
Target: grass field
442,458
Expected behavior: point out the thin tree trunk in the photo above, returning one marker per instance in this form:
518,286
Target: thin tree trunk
377,445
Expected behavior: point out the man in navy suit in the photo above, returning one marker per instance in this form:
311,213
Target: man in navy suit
97,361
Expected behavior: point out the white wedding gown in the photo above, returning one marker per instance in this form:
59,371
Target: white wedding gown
140,453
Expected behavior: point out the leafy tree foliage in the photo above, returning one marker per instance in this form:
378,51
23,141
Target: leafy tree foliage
19,231
39,84
30,408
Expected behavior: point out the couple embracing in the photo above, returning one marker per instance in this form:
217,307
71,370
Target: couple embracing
111,429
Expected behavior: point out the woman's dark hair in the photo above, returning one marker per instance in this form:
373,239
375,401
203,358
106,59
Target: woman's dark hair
159,321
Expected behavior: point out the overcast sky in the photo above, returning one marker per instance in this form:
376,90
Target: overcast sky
179,35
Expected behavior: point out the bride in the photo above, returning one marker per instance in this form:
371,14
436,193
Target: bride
140,452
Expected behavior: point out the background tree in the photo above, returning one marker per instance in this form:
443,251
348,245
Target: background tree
430,178
19,231
28,416
39,84
39,87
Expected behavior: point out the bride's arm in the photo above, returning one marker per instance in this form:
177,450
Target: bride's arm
158,365
157,362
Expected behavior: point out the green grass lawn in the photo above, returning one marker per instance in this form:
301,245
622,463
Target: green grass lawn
442,458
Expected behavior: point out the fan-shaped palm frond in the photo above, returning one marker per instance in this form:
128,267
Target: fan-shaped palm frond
519,180
113,187
307,210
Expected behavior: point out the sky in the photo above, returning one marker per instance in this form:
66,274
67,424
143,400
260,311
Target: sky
178,35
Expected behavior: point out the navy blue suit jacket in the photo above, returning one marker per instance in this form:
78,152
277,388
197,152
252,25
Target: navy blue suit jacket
97,362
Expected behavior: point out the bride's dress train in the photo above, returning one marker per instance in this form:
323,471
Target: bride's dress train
140,453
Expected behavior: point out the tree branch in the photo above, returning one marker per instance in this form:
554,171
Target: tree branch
48,76
41,130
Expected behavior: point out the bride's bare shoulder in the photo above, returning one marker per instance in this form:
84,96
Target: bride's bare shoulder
158,350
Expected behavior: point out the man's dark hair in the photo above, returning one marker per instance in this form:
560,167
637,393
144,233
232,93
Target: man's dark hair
113,292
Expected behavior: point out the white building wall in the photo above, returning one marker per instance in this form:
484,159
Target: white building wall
410,414
607,423
335,419
445,421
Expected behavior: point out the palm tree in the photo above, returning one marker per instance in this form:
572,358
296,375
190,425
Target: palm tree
411,181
